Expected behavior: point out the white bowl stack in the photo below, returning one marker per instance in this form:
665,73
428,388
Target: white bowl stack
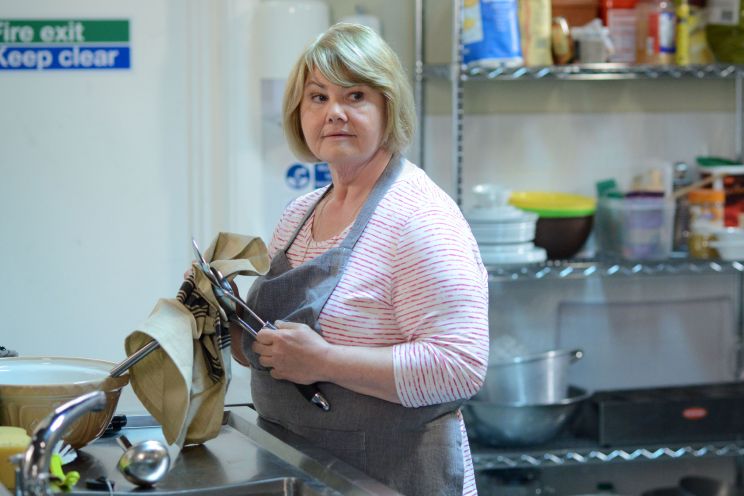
505,235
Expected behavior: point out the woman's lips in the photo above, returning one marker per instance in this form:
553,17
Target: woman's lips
337,135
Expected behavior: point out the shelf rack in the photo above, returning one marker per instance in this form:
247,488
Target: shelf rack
491,458
581,269
583,72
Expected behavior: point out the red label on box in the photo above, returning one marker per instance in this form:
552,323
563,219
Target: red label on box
694,413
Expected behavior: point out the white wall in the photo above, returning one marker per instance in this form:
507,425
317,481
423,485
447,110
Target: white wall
107,174
570,152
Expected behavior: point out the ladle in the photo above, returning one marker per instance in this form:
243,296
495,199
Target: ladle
222,288
224,294
143,464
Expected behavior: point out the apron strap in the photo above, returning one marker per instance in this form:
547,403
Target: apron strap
305,218
386,179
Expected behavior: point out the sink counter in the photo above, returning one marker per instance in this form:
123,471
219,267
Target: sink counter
248,457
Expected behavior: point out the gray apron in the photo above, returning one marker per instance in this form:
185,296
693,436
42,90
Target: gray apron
416,451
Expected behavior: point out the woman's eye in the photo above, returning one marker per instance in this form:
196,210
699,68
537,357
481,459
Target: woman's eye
317,98
357,96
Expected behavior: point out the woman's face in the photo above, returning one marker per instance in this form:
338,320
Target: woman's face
342,126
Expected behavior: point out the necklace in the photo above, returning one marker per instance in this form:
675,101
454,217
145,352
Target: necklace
310,238
320,209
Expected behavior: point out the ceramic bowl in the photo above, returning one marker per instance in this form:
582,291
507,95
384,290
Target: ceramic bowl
564,220
32,387
563,237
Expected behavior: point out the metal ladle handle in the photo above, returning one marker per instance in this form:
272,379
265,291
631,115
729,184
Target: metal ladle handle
221,289
135,357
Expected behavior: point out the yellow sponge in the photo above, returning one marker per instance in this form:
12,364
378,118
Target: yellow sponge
13,440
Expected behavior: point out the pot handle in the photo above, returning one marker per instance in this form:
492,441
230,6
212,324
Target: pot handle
576,355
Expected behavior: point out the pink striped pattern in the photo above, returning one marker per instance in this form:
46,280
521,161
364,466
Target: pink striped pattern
415,282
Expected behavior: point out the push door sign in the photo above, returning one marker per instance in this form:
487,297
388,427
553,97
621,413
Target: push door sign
49,44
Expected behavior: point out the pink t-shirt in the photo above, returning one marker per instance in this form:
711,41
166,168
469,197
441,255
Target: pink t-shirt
415,281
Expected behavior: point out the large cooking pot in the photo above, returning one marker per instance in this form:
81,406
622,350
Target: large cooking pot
540,378
32,387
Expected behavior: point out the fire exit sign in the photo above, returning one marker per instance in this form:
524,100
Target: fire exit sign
49,44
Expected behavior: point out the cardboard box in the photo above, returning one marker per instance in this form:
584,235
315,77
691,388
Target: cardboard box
576,12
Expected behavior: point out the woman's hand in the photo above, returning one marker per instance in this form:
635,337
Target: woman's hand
293,352
296,353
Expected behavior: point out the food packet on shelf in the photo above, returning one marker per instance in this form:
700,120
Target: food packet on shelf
534,29
491,33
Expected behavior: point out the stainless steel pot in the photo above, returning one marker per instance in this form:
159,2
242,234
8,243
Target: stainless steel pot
508,425
539,378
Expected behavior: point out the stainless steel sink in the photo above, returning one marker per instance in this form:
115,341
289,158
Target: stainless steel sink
275,487
245,459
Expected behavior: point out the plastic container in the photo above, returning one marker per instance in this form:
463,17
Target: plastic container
635,228
620,18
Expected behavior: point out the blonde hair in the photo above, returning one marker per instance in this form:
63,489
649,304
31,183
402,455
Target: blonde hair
349,55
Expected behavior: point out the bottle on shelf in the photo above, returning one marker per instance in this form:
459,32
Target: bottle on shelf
655,31
699,49
706,216
561,44
682,178
682,38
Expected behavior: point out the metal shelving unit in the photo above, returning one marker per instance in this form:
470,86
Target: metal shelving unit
581,269
485,458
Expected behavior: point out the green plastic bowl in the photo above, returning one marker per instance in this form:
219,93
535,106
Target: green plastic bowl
554,205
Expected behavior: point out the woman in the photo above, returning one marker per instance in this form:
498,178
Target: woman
376,284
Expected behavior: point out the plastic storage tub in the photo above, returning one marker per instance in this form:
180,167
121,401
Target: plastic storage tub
638,228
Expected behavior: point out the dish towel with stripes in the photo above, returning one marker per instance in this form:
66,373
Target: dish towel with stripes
182,384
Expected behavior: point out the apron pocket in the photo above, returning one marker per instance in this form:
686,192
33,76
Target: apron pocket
348,446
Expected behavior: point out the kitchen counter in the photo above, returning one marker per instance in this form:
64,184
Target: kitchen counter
246,458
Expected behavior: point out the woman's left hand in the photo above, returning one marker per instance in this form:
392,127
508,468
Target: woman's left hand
293,352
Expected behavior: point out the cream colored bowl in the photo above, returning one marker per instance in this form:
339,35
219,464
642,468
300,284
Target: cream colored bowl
32,387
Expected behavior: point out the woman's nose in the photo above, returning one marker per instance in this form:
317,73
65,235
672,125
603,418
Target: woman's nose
336,112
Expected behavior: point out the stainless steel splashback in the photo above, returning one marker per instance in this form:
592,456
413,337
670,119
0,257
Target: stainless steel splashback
635,331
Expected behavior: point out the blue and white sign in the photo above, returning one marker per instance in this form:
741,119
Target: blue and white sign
322,175
63,44
74,57
298,176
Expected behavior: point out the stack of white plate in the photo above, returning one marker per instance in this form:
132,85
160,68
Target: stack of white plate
505,235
